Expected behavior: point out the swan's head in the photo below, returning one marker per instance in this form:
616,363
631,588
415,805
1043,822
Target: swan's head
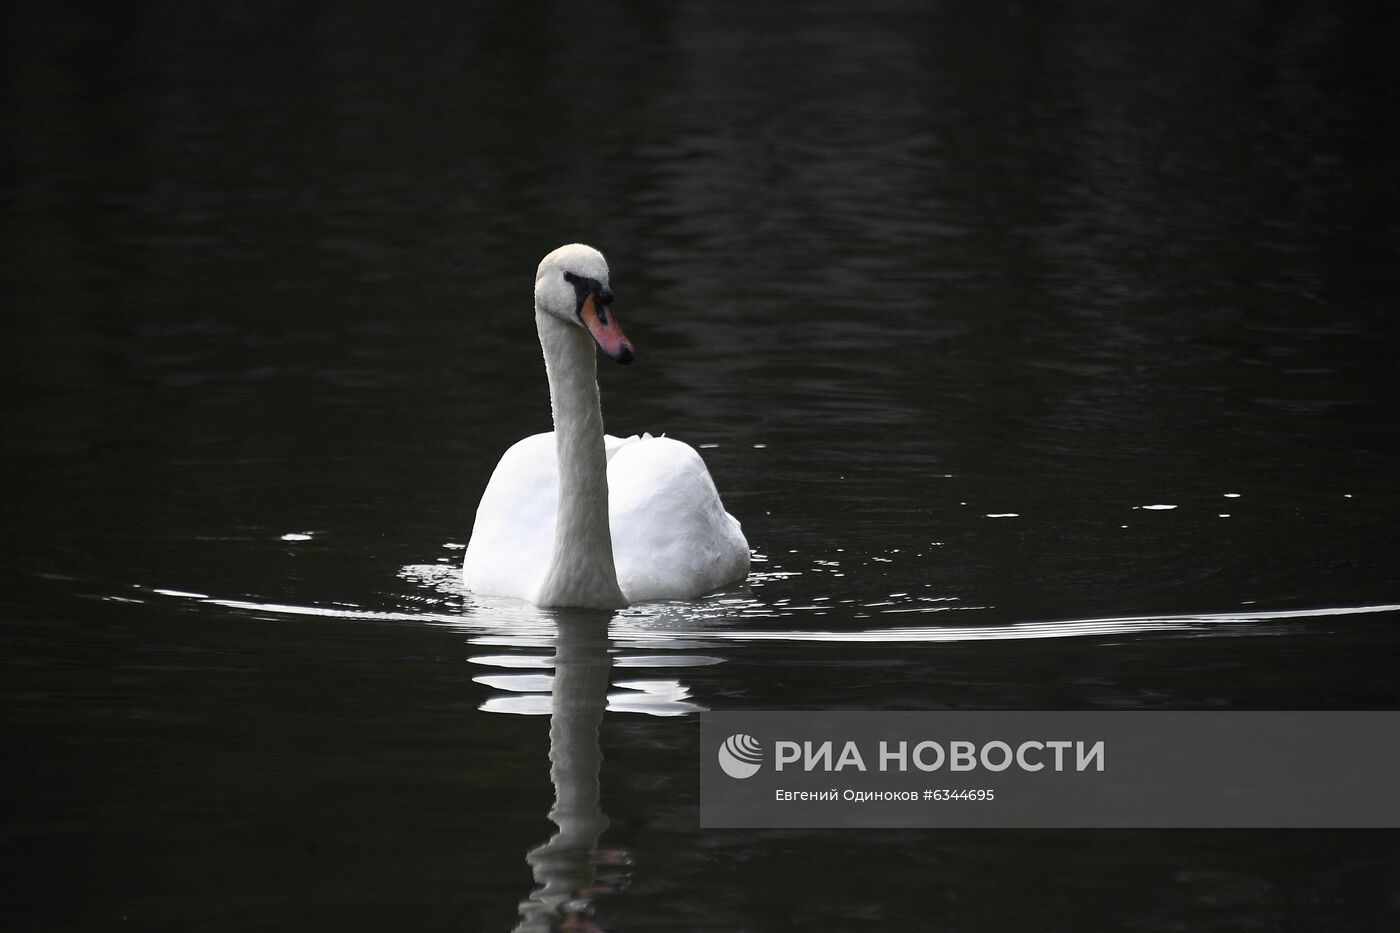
572,285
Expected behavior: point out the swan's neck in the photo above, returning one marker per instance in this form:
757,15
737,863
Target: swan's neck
581,571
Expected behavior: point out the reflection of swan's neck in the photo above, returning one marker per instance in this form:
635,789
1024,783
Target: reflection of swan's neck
581,672
564,866
581,571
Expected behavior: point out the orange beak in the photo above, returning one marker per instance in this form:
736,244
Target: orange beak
602,324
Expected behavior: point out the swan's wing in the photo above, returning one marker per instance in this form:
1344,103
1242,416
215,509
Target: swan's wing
513,536
671,536
613,444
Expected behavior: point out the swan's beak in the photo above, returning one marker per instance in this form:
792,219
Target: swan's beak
602,324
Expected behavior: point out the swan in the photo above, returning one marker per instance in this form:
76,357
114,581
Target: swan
579,518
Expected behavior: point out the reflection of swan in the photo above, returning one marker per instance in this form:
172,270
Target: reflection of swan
575,518
564,867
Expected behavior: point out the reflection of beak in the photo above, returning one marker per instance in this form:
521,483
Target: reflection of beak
602,324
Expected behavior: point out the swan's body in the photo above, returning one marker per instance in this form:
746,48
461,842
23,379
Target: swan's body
575,518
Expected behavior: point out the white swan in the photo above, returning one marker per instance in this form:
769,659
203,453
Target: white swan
579,518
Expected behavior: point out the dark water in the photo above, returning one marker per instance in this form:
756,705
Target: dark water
952,294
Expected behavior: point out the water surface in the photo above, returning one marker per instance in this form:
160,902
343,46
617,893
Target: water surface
1046,354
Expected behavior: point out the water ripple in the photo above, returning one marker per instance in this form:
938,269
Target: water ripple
517,624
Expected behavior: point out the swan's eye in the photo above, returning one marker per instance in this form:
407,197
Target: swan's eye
584,286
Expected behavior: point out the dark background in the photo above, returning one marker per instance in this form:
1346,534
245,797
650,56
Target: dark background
266,271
